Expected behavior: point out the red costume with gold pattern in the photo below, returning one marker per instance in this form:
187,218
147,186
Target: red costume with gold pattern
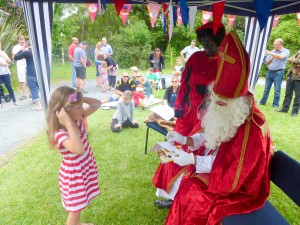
239,180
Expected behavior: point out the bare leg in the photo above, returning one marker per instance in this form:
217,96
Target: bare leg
23,87
73,218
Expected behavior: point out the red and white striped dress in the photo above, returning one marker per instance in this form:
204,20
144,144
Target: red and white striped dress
78,175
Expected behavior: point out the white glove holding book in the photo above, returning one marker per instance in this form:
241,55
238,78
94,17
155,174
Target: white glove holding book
183,158
174,136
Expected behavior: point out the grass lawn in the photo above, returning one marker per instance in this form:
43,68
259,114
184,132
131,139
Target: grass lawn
29,192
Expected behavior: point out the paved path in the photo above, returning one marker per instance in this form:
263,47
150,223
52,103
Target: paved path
18,125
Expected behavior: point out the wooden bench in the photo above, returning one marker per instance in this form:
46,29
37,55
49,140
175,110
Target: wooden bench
285,174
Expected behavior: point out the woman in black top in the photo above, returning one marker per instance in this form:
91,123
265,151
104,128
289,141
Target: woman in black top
112,69
156,60
172,92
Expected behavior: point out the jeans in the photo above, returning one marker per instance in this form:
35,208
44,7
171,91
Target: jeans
276,78
6,80
73,74
292,85
33,85
127,123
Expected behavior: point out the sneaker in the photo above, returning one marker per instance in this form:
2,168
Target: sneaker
23,97
161,204
281,110
294,114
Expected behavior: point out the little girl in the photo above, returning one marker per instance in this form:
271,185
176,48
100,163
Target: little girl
123,117
103,75
78,176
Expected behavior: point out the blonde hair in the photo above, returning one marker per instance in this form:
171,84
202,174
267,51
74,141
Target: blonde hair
104,64
128,94
99,45
58,100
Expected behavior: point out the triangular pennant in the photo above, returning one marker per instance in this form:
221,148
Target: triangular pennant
192,16
179,18
153,10
171,24
175,16
205,16
276,20
218,11
298,17
125,13
104,5
184,12
165,12
231,19
262,8
92,8
119,5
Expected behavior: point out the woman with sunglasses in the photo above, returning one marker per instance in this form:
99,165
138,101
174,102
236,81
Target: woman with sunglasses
172,92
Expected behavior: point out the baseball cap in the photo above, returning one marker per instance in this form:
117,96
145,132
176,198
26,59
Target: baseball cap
84,43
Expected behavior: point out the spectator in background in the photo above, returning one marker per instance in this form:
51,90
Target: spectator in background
189,50
112,69
80,66
178,70
5,76
124,84
152,77
97,62
123,117
103,75
106,48
135,71
31,78
72,48
276,61
292,84
157,62
172,92
21,66
149,97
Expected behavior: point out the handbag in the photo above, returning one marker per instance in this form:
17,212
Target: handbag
114,71
88,62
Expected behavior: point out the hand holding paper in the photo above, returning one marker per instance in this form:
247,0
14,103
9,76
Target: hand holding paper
175,136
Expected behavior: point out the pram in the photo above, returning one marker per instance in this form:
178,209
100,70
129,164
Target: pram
3,90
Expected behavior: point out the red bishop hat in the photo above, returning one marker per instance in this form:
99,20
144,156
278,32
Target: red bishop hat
210,25
234,67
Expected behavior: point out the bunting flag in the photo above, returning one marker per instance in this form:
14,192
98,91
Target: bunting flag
165,17
171,24
276,20
218,11
298,17
192,16
262,11
119,5
206,16
153,10
101,6
92,11
179,18
184,12
175,15
125,13
231,19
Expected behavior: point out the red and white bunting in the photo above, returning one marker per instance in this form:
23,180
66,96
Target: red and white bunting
206,16
119,5
92,11
231,19
153,10
125,13
276,20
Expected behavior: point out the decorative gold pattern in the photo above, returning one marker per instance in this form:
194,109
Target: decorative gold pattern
201,178
238,172
175,178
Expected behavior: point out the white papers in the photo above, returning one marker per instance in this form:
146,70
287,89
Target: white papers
164,111
166,145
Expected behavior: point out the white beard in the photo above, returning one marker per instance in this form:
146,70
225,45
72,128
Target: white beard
221,122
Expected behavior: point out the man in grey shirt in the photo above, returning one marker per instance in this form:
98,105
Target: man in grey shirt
189,50
106,48
80,65
276,61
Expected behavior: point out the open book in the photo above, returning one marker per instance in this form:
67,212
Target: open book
165,150
164,111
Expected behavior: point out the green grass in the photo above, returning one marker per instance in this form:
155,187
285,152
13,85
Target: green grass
29,192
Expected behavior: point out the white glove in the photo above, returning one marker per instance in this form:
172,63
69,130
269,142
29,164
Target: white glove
183,158
175,136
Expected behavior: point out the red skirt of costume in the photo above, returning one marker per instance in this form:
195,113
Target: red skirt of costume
78,175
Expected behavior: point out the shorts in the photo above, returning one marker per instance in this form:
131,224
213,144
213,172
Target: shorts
21,69
80,72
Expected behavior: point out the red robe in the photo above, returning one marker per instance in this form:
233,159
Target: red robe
239,181
199,72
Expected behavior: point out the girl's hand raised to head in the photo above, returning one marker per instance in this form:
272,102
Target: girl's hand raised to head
63,117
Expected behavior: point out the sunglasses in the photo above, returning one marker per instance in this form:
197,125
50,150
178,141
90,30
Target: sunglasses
125,76
137,76
174,81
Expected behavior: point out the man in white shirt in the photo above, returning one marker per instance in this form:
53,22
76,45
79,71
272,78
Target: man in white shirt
106,48
189,50
21,66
